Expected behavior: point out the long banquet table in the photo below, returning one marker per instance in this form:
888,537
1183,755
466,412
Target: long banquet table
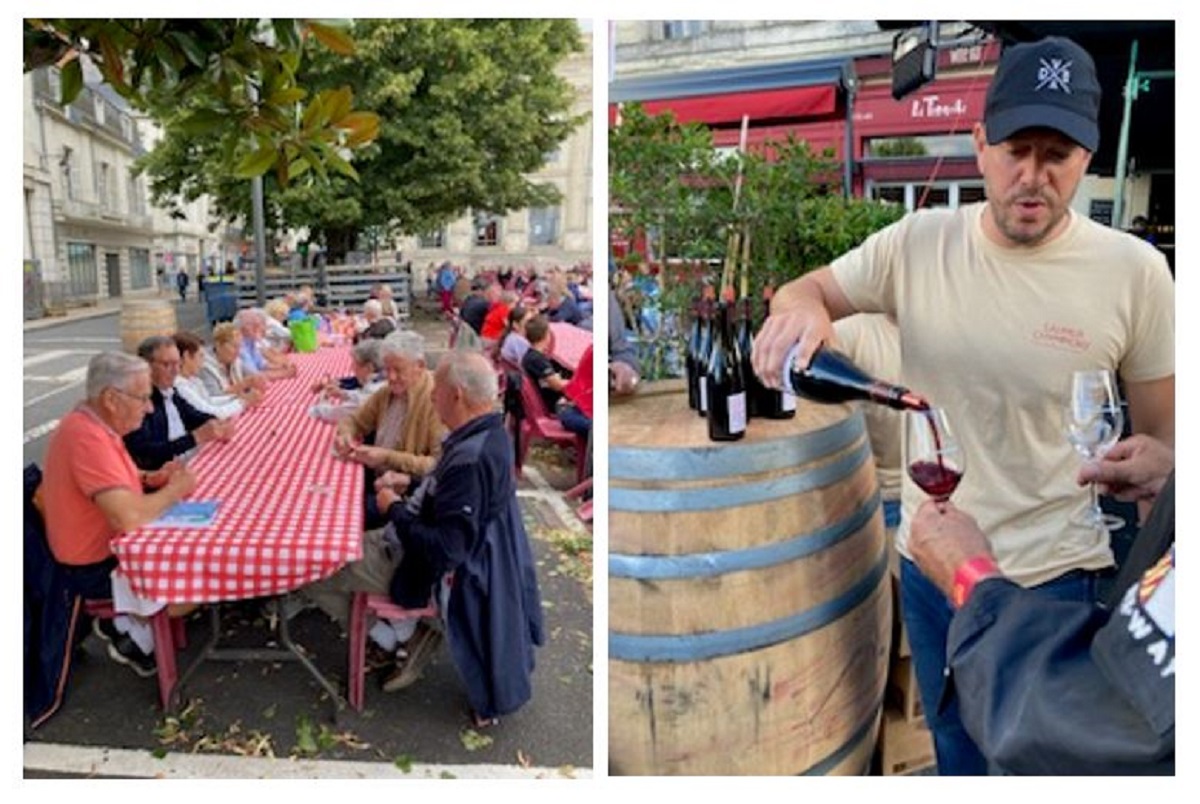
289,513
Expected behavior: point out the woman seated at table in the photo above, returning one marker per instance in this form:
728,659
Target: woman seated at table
348,393
221,369
551,377
193,388
513,343
278,336
407,432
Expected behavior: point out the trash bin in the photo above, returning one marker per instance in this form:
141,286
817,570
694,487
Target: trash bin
221,300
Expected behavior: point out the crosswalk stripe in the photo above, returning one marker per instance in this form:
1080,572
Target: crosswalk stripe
40,430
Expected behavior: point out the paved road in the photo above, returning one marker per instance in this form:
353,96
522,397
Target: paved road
277,709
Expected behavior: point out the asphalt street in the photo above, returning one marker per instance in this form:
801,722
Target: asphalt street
247,712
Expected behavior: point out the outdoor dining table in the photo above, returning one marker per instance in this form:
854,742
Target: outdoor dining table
288,513
570,342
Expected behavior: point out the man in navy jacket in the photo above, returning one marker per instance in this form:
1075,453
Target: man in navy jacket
174,428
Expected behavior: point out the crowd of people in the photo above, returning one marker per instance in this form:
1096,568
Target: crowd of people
440,512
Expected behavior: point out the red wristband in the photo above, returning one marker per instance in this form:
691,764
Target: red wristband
969,573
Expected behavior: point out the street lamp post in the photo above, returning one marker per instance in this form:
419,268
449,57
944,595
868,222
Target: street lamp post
1135,84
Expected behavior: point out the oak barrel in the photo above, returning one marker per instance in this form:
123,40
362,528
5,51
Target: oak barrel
750,608
141,318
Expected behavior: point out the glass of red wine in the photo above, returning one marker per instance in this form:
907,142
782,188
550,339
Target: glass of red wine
936,461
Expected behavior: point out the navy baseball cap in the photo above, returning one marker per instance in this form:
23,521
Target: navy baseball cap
1050,83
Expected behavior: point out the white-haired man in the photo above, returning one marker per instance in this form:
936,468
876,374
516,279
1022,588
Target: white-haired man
92,491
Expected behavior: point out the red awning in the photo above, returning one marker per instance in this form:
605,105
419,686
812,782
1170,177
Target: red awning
771,104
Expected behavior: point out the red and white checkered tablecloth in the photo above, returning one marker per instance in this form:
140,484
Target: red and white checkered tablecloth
332,361
570,342
289,513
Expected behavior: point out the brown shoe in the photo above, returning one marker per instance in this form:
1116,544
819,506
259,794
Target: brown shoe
421,649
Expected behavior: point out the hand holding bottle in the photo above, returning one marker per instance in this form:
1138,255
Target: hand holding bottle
804,324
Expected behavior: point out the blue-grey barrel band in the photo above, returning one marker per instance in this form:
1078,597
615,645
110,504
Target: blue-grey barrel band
863,732
891,514
712,644
707,565
713,461
713,497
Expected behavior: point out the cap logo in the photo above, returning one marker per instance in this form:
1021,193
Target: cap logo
1054,74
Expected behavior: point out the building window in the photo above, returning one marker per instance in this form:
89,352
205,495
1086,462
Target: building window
683,29
920,195
139,267
70,177
543,226
434,239
487,229
81,268
104,186
137,195
927,146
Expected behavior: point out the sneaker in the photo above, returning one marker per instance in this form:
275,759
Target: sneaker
123,650
420,649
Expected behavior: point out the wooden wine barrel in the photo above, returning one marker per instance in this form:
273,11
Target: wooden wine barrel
749,599
141,318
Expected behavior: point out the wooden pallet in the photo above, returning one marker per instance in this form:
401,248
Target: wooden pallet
905,747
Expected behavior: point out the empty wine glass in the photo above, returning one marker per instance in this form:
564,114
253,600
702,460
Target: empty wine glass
1094,420
936,460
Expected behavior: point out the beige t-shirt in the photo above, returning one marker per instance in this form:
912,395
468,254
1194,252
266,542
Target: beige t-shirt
873,343
992,335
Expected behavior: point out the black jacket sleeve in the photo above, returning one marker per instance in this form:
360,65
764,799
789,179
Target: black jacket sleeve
148,445
1055,687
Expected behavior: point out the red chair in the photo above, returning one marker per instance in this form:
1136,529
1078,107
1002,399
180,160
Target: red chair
363,607
538,423
170,635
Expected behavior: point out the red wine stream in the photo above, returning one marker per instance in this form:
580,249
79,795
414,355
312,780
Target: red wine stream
937,480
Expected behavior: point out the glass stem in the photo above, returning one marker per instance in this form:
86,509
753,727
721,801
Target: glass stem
1096,512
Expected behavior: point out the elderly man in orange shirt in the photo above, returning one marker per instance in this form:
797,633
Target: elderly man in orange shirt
92,491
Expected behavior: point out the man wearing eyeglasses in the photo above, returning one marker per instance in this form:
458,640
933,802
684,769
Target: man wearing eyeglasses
173,429
92,491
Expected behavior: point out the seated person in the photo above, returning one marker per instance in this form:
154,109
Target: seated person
551,377
497,317
173,428
465,520
377,326
561,308
92,492
348,393
476,306
278,336
407,434
255,357
513,343
192,388
221,370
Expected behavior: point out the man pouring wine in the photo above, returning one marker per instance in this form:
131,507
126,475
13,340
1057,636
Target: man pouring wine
982,296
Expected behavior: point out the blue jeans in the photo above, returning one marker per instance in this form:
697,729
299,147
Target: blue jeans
927,615
573,419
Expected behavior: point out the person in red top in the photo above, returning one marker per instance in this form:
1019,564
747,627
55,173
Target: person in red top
92,491
496,320
579,388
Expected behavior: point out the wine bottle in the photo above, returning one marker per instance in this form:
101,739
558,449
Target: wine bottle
772,404
745,346
702,357
832,377
726,386
693,367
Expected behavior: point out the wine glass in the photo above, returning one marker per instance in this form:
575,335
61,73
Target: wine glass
1094,420
936,460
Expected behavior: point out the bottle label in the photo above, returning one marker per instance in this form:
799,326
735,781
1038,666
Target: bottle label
703,383
737,413
785,373
787,401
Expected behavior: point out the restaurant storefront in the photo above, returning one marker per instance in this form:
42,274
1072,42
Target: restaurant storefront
916,151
